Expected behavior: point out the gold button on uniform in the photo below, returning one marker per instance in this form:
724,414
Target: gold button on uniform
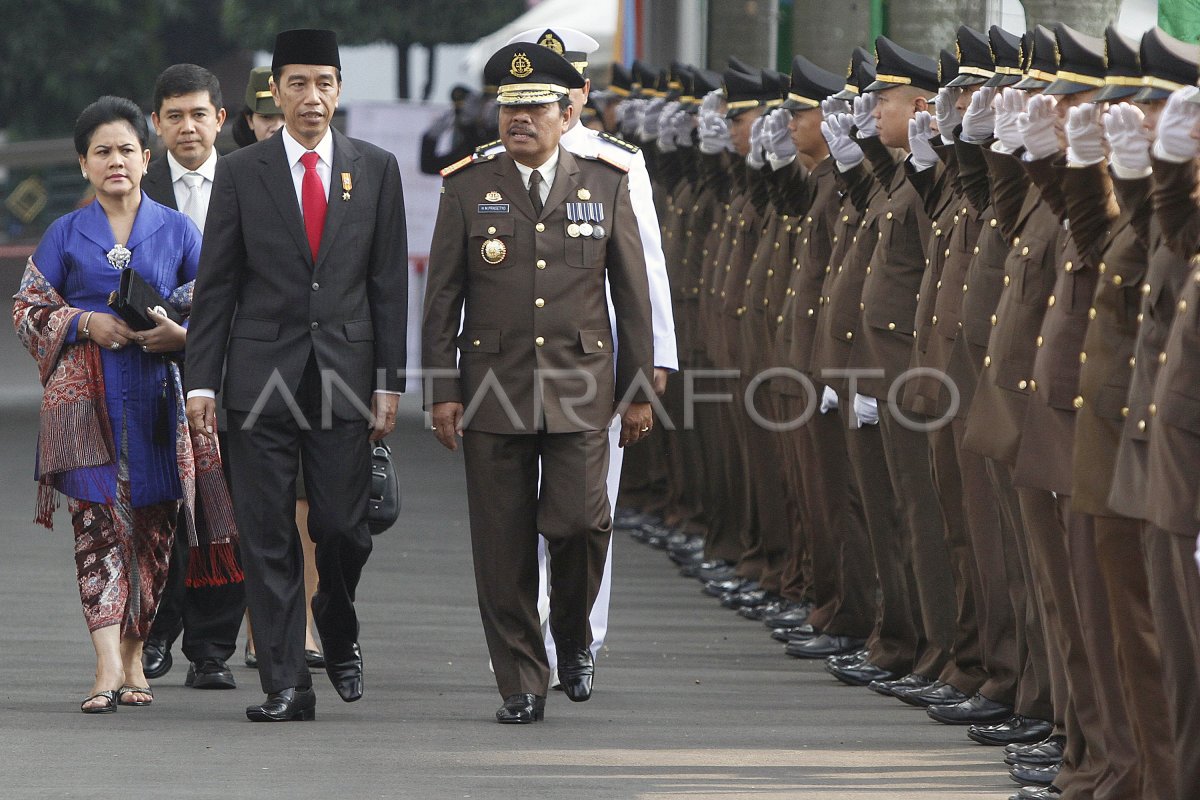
891,326
1050,301
849,334
1068,266
1117,280
889,215
1024,251
1077,402
1022,384
1162,357
600,344
994,320
1091,313
491,230
539,302
1033,386
477,343
993,222
539,341
1007,280
1016,241
1083,358
1038,341
541,264
539,227
1153,409
1142,425
987,361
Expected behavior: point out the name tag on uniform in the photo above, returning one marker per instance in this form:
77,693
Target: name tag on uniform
493,208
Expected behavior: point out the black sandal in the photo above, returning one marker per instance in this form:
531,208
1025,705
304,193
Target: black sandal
124,690
110,706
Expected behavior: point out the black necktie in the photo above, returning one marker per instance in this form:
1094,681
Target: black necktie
535,191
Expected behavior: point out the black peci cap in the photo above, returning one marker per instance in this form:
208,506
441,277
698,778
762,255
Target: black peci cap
529,74
306,46
1167,64
1041,59
810,85
947,67
1081,64
896,66
975,61
1124,76
1008,54
859,75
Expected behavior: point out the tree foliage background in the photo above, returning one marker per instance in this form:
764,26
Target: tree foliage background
58,55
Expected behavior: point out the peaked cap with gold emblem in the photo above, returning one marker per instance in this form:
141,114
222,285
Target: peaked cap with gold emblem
573,45
528,74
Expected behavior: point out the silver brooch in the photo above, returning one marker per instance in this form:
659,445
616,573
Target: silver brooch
119,256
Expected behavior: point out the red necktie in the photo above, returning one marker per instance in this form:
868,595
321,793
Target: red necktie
314,202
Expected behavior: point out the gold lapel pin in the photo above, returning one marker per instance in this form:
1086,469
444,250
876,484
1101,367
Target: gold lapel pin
584,194
492,197
347,185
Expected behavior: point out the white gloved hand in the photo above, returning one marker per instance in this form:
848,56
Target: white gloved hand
756,158
682,125
777,138
1009,105
648,127
1085,135
831,106
1128,139
711,102
920,136
1175,125
829,400
633,118
979,123
714,133
866,409
664,116
948,116
836,130
1036,124
864,115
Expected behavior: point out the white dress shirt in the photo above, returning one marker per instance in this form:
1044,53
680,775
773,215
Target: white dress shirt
206,170
548,170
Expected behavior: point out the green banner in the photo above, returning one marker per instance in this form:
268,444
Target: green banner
1180,18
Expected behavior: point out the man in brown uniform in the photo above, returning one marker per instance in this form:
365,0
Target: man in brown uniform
523,244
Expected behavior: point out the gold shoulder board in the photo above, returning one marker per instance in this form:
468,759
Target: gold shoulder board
456,166
483,148
624,145
617,165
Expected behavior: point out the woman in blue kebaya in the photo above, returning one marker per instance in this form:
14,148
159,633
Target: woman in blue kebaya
112,436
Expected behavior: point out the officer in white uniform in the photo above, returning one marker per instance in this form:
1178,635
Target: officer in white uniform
575,46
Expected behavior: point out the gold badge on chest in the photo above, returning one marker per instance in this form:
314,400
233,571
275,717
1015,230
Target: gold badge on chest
584,194
493,197
521,66
494,251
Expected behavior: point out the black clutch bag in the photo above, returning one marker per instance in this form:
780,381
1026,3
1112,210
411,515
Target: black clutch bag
133,297
383,505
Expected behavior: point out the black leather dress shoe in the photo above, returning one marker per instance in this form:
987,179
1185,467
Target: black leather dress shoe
576,669
977,710
851,659
803,633
314,659
1035,776
749,599
345,670
209,673
1016,729
792,616
731,586
521,709
156,658
1044,754
289,705
760,612
716,570
860,675
912,682
1050,792
1057,739
824,646
936,694
688,558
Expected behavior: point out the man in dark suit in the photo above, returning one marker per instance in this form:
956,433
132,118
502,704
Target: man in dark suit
525,241
302,298
188,115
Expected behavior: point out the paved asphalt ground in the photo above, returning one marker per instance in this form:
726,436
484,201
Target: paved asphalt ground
691,701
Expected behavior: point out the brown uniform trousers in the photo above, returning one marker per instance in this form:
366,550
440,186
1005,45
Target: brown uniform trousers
1011,631
1172,468
896,640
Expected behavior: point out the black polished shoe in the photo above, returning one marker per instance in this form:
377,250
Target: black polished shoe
936,694
824,646
156,658
1015,730
803,633
1035,776
576,669
1044,754
749,599
521,709
289,705
1056,740
345,671
912,682
782,634
851,659
1050,792
978,710
731,586
688,558
860,675
792,616
314,659
716,570
210,673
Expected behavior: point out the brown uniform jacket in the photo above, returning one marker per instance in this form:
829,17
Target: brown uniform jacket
542,306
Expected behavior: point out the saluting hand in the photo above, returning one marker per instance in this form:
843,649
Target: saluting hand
1175,125
920,134
979,123
1085,135
1125,129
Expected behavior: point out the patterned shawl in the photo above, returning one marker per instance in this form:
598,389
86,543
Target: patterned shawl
74,432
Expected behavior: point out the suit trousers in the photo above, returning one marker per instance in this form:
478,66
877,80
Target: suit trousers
336,460
517,486
1175,603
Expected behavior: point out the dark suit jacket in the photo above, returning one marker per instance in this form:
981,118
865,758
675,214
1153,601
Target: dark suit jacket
157,182
542,306
262,307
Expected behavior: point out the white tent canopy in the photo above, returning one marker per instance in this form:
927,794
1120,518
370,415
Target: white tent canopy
596,18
